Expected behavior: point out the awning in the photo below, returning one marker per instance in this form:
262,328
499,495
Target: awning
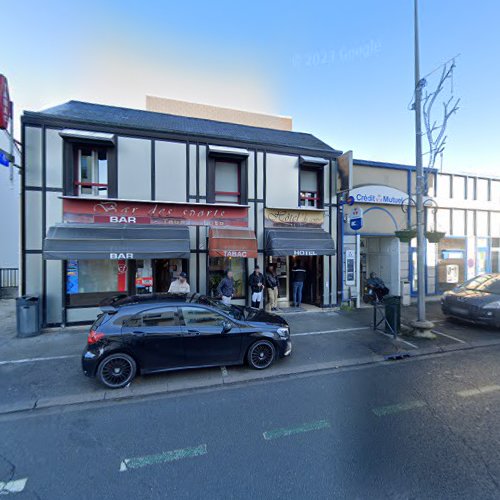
312,161
299,241
87,135
116,241
232,243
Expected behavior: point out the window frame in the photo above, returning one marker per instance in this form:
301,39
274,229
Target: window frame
183,323
319,198
71,167
242,162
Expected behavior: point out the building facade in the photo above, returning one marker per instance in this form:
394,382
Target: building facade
116,200
465,208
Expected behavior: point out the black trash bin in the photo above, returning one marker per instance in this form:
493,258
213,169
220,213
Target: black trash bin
28,316
392,306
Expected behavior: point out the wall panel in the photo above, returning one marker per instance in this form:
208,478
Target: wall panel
54,158
134,168
282,181
33,220
54,291
170,171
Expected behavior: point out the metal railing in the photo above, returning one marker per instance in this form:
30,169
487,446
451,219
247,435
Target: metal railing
9,277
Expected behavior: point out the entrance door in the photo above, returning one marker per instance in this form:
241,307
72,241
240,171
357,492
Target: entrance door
156,338
312,291
382,258
280,265
203,340
164,272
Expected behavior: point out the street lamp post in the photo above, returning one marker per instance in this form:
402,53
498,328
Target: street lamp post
421,326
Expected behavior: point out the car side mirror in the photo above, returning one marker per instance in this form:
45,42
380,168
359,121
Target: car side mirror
226,327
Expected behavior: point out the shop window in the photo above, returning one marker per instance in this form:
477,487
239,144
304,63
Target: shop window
88,282
451,263
443,187
310,188
459,183
217,267
495,192
482,190
471,188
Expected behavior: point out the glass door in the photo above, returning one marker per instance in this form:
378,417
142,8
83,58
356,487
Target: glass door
280,265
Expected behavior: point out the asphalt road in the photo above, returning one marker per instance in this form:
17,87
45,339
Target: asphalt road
420,428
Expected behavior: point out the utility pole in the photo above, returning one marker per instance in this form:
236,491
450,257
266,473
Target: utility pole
422,327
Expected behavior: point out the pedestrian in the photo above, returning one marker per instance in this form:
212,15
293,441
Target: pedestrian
378,286
226,288
298,278
256,283
180,285
272,283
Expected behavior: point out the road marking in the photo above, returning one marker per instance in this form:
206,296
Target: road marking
397,408
449,336
480,390
223,369
33,360
311,426
399,340
330,331
13,486
166,456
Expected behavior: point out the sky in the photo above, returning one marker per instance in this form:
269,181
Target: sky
343,70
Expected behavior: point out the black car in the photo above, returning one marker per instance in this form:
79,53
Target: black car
477,300
162,332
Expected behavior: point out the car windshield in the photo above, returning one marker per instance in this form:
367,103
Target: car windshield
486,283
233,311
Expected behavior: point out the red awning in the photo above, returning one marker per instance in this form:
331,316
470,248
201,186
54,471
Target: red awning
232,243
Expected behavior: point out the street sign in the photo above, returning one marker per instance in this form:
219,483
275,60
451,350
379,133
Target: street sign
5,158
356,219
4,103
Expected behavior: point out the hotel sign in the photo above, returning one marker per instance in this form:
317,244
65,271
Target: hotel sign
89,211
293,217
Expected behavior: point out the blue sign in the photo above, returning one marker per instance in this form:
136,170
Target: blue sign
356,224
350,200
4,158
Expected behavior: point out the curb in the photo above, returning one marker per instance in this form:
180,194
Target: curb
227,380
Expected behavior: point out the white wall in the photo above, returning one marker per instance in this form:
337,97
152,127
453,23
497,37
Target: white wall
10,207
134,168
170,171
282,181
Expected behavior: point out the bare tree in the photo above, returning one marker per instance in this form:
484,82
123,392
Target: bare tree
436,131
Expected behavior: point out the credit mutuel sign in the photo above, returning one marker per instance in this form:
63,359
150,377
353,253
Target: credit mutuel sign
106,211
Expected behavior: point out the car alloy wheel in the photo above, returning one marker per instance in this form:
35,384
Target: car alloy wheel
261,354
117,370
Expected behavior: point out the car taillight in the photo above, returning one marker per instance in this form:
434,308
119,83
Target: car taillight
94,337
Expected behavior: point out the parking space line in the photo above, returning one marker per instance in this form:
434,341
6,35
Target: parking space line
398,408
33,360
480,390
449,336
13,486
399,340
284,432
331,331
166,456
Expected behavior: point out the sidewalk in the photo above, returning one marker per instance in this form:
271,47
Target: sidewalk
45,371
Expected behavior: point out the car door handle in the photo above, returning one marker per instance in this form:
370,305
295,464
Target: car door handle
194,332
139,333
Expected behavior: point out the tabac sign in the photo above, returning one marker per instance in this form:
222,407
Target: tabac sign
293,217
106,211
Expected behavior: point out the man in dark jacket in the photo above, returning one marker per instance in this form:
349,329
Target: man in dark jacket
256,283
226,288
272,283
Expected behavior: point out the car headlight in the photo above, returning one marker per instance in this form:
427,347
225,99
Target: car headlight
492,305
283,332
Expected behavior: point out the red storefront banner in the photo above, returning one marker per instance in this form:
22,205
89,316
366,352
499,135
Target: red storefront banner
92,211
4,103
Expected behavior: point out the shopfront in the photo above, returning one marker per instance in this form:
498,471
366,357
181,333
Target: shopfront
117,247
295,237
